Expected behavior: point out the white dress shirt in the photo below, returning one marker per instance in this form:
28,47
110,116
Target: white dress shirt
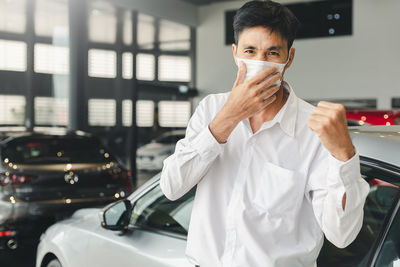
263,199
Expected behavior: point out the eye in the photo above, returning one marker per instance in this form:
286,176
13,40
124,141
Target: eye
273,53
249,51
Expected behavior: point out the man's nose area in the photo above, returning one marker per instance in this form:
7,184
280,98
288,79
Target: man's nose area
261,56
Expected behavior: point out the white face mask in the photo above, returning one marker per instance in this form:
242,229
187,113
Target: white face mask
255,66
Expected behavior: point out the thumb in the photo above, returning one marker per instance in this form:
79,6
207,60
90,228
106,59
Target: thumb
241,75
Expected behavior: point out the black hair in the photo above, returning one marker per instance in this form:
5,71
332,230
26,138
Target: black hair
274,16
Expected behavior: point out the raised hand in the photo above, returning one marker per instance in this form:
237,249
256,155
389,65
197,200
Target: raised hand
246,99
328,120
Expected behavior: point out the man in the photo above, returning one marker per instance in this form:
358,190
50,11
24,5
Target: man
273,173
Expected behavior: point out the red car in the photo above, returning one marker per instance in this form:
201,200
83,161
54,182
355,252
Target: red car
373,117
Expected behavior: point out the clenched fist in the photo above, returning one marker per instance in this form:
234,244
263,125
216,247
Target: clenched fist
329,121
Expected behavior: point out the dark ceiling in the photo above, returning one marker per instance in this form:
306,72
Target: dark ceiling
205,2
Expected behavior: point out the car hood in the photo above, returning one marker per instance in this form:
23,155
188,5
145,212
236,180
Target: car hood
85,213
155,149
83,218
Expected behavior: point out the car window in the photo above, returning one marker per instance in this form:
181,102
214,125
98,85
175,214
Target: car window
383,190
389,255
50,150
153,210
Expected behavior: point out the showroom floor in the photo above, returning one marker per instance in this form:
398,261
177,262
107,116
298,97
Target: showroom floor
26,258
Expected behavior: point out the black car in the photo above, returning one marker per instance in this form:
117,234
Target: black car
46,177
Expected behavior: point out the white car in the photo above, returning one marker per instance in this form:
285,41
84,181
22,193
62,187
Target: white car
148,230
151,234
151,156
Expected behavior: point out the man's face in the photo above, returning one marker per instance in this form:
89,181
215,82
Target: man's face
259,43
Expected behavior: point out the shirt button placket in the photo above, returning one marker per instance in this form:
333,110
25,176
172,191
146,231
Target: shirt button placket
230,242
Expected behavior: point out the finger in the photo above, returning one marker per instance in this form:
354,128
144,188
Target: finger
269,92
331,105
269,82
269,101
315,122
241,75
318,117
260,76
333,112
322,110
325,104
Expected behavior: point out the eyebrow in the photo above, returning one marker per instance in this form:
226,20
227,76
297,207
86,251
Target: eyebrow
275,47
249,47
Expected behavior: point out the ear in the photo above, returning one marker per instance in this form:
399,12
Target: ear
234,52
291,57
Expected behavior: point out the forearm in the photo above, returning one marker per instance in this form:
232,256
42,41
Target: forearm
190,162
342,214
340,226
223,124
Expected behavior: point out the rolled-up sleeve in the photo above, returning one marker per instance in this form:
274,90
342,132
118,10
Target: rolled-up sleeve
329,180
192,157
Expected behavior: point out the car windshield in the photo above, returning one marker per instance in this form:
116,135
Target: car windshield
51,150
155,211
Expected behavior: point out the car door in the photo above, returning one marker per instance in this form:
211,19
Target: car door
156,236
388,252
384,181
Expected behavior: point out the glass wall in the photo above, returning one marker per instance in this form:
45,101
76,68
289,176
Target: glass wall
127,55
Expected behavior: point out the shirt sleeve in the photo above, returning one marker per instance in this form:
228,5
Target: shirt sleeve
192,158
329,180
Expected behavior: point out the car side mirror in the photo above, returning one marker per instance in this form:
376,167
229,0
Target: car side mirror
116,216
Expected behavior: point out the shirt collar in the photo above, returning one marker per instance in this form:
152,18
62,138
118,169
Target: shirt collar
287,116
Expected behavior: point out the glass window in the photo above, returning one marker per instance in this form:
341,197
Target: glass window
383,190
145,31
155,211
145,113
12,109
13,16
51,59
145,67
389,255
51,19
127,65
127,30
102,112
174,68
174,36
51,111
173,113
102,63
127,112
102,22
12,55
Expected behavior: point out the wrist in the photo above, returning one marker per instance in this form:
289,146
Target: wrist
222,126
345,154
229,116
